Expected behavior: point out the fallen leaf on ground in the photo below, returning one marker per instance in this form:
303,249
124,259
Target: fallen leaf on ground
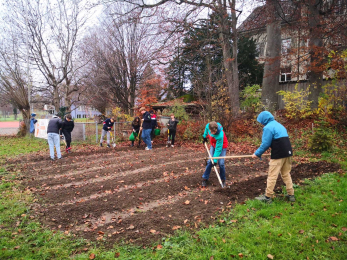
16,247
131,227
185,221
240,255
116,255
176,227
152,231
301,231
270,256
333,238
223,240
233,221
187,202
344,229
92,256
159,247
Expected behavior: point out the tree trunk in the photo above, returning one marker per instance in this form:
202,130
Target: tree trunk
316,59
56,100
132,102
235,83
224,36
210,86
270,87
26,118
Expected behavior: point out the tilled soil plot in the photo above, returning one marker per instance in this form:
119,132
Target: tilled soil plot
140,196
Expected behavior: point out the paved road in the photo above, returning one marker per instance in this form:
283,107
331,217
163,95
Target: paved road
9,128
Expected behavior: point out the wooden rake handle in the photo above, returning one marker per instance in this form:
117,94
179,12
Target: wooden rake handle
234,156
215,169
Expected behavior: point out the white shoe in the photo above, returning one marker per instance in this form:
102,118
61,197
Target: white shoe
172,145
146,148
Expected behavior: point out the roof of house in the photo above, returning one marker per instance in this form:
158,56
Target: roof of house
258,18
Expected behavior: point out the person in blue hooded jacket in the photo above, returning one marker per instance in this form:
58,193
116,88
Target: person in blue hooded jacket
275,136
219,144
33,121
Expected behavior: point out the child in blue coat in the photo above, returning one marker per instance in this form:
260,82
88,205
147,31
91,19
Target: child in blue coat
275,136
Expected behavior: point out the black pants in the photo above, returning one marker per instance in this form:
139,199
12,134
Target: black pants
67,138
152,133
172,134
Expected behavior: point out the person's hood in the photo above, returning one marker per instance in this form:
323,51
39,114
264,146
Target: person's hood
55,116
265,117
219,129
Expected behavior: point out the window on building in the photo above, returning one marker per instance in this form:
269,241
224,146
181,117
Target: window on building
261,49
84,116
341,7
78,116
286,74
286,44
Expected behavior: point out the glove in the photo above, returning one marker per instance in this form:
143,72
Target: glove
205,140
214,164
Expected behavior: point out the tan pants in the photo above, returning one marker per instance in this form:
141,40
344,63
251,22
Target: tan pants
276,166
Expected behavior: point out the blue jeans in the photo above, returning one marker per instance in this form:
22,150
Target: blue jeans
54,140
220,163
146,137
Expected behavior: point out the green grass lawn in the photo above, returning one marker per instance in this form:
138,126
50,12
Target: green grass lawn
10,118
12,146
314,227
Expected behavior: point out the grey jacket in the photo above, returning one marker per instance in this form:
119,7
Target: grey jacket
54,125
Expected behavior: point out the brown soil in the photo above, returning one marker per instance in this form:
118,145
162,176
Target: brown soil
140,196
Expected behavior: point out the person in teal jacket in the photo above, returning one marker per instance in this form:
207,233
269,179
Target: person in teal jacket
219,144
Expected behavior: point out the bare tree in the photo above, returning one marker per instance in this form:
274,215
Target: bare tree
53,29
119,51
14,82
226,25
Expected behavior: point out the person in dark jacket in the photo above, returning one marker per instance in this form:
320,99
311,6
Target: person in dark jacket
53,128
154,123
107,127
136,124
146,128
33,121
66,129
172,125
275,136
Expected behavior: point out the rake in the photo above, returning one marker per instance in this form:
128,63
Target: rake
113,141
235,156
214,166
168,138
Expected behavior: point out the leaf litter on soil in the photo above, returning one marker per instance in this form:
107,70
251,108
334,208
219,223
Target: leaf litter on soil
169,198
